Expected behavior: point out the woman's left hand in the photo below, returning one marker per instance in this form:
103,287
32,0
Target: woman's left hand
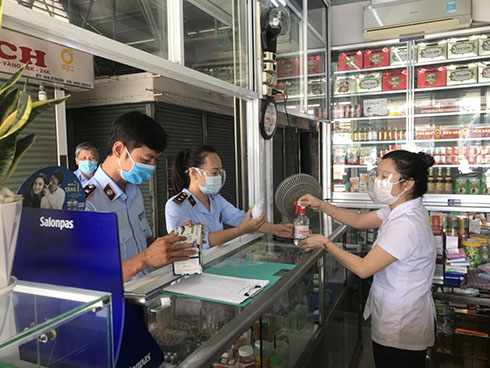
284,231
313,241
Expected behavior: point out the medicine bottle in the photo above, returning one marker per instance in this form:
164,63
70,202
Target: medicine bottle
246,357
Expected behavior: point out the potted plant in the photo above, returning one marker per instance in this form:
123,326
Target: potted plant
17,110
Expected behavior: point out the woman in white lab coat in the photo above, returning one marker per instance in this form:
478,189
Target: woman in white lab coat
402,258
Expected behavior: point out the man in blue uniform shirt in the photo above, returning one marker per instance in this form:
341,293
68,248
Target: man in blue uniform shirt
135,143
86,158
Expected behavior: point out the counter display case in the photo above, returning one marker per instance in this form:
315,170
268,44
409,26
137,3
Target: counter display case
46,326
281,323
431,96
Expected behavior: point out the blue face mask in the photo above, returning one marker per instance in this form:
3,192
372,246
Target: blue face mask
213,185
139,173
87,167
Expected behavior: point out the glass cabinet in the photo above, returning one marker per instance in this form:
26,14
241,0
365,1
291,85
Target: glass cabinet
429,95
46,326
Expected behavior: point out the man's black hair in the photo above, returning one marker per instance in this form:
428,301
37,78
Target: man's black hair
136,130
58,174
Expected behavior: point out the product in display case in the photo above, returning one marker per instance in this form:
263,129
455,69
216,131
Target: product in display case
459,74
484,72
398,55
350,60
375,107
369,82
431,77
431,51
377,57
394,80
345,85
462,47
483,45
287,67
315,64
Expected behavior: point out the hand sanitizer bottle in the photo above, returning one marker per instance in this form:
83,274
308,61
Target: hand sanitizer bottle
301,224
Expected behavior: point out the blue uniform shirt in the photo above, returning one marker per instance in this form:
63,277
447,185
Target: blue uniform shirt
83,179
184,206
129,208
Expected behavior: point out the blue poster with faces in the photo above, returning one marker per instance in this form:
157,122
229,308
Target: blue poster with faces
81,249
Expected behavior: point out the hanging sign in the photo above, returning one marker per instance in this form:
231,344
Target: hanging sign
47,61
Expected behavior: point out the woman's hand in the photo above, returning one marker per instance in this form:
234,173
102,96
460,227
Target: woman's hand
284,230
313,241
249,224
312,202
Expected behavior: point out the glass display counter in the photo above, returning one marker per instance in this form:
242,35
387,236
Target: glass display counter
45,326
281,323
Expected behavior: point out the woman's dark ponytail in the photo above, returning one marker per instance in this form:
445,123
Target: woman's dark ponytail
412,166
187,158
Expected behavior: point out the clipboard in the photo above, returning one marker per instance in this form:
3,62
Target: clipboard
219,288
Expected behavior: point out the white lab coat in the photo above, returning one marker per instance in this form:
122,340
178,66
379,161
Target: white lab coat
400,300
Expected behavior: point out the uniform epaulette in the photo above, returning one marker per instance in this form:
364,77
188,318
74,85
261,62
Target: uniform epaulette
192,201
109,192
89,190
180,198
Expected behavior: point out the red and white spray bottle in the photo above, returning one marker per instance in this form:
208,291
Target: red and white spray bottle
301,224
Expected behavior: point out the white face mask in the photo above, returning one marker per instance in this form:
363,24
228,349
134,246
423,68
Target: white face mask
379,190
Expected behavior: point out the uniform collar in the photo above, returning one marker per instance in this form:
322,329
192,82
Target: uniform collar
403,208
102,179
200,206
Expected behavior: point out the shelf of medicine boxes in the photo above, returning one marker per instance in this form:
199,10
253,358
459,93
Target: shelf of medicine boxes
451,140
386,117
373,93
450,61
368,142
455,113
455,86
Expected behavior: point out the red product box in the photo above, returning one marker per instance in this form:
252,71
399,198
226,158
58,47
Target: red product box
377,57
315,64
393,80
350,60
431,77
288,67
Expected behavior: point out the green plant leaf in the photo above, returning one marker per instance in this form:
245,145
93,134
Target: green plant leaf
8,104
39,107
18,118
7,154
21,147
12,80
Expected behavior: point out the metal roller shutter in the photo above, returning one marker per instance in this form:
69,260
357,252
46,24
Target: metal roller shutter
221,136
43,152
93,124
184,129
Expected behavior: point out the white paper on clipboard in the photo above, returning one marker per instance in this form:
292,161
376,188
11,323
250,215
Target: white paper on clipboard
227,289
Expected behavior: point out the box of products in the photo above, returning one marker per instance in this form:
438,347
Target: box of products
484,72
431,51
193,235
398,55
339,155
483,45
345,85
369,82
316,87
349,60
394,80
354,184
462,47
461,74
461,186
375,107
431,77
315,64
288,67
377,57
352,157
368,155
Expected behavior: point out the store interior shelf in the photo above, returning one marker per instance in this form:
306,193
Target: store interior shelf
351,166
300,76
455,86
370,142
452,140
457,113
313,97
381,68
470,165
372,93
388,117
450,61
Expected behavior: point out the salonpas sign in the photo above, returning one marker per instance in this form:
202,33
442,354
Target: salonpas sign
47,61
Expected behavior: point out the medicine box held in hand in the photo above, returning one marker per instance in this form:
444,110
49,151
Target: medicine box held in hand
193,264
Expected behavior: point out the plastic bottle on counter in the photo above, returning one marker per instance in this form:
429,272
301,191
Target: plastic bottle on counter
246,357
301,224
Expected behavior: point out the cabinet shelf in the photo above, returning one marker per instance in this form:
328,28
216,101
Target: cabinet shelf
471,165
370,142
372,93
364,70
300,76
453,140
450,61
457,113
456,86
387,117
